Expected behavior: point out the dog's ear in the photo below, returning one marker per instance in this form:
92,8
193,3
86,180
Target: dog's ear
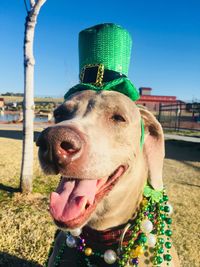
153,148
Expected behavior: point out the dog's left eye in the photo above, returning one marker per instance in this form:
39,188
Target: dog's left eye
118,118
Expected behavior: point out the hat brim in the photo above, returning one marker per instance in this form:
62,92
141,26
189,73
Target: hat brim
122,85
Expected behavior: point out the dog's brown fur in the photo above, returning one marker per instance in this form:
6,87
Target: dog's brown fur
111,143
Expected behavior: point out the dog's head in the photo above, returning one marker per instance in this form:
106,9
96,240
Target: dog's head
96,147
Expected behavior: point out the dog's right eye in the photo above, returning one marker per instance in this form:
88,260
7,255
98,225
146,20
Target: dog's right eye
57,118
64,112
118,118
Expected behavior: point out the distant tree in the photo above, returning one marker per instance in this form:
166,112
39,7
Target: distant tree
7,94
26,177
12,94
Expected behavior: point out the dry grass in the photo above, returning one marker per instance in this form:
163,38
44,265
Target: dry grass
26,229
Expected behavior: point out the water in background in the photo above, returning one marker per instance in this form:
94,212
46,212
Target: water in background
11,117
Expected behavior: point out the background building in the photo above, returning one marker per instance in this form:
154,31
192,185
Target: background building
152,102
1,102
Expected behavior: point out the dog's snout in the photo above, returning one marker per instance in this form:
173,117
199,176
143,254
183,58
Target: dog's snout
70,147
41,142
60,145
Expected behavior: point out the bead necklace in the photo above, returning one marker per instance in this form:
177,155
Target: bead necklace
150,229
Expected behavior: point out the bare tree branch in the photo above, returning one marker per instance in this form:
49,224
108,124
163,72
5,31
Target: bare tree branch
36,9
32,3
26,6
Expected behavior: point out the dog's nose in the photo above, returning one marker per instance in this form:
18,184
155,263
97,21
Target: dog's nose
60,144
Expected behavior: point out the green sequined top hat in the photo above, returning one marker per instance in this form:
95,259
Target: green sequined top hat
104,57
108,44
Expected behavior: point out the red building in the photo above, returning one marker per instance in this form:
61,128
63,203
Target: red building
1,102
152,102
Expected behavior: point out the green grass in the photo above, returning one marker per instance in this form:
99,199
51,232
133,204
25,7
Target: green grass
45,185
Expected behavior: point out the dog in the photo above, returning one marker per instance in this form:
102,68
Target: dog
95,145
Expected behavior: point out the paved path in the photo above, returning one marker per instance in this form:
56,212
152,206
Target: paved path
182,138
19,126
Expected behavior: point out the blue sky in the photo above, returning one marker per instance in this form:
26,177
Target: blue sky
165,54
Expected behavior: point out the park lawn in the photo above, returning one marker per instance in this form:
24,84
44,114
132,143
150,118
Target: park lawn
27,230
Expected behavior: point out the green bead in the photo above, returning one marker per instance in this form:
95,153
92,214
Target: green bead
144,209
161,240
162,224
162,231
165,198
161,201
131,242
161,208
168,245
137,228
168,220
161,250
166,208
162,216
125,256
138,221
150,216
151,208
142,238
168,232
167,257
158,260
122,263
142,216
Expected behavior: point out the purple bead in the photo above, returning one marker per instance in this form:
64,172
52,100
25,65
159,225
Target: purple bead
135,261
83,240
80,248
146,213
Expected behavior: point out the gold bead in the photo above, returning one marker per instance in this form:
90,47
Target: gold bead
132,253
144,201
88,251
138,251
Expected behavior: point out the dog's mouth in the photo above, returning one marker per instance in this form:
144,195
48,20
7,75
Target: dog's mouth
75,199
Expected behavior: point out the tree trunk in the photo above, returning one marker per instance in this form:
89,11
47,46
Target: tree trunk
28,103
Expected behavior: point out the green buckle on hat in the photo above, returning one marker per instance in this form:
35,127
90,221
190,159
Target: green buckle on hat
92,73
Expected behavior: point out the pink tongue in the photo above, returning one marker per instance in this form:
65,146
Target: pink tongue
72,199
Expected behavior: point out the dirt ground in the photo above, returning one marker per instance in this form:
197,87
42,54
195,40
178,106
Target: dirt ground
26,229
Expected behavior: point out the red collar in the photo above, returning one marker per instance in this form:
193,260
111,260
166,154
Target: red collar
107,237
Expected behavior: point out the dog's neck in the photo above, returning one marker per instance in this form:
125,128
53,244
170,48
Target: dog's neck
110,237
116,234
